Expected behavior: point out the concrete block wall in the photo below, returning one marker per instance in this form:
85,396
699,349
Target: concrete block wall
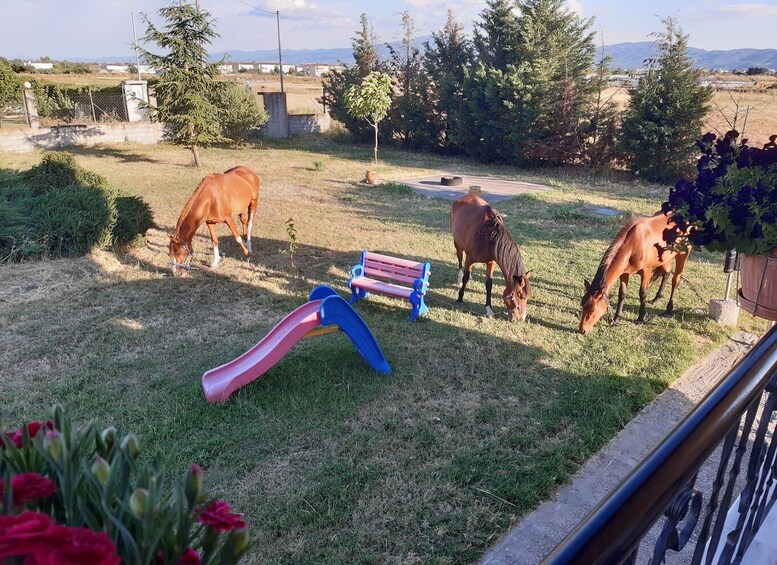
308,123
27,140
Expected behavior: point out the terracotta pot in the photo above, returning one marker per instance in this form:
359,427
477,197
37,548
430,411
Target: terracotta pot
371,176
758,294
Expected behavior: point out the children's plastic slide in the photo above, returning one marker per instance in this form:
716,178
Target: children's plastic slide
325,308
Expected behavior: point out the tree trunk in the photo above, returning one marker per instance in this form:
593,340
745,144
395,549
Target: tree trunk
196,153
376,142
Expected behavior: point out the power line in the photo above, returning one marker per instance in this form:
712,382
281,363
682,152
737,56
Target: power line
277,15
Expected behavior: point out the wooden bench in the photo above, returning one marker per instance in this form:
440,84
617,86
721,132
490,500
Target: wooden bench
365,277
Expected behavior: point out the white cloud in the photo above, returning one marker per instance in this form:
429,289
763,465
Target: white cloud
576,6
749,10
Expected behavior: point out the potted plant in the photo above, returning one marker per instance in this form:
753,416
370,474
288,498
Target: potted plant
370,101
732,204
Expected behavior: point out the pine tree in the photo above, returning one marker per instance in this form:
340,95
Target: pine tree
667,110
338,82
496,36
406,121
444,61
187,78
556,53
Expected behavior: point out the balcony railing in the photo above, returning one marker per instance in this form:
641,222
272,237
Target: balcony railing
714,524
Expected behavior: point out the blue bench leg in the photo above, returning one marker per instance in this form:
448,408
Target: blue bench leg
419,308
357,294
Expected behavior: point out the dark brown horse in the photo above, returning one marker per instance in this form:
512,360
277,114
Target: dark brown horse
217,198
640,247
478,231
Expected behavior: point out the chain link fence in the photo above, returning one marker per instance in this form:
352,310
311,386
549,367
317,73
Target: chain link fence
58,106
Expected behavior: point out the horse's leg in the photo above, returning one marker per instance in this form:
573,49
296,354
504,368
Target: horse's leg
621,297
460,256
678,271
251,214
465,279
233,229
490,267
214,238
244,221
660,293
643,293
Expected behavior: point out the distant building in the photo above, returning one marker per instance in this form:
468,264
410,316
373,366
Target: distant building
41,66
116,68
147,70
319,70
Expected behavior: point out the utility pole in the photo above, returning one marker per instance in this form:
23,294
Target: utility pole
280,56
197,5
135,45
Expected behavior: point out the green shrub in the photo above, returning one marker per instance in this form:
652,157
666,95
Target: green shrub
238,110
58,169
133,220
73,220
318,166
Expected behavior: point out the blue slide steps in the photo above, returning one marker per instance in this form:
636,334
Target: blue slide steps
335,310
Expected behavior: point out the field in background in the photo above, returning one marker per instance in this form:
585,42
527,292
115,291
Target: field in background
480,419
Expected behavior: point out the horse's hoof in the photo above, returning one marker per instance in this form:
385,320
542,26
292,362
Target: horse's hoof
615,323
639,321
489,312
656,299
667,314
459,301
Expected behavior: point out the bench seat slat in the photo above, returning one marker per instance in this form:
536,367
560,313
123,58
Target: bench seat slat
394,269
371,285
393,276
394,260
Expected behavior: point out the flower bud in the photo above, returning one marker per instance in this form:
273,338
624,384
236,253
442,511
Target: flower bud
193,485
100,469
108,438
53,444
241,543
58,415
138,501
130,445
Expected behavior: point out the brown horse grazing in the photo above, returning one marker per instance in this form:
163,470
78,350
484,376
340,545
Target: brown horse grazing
479,231
640,248
217,198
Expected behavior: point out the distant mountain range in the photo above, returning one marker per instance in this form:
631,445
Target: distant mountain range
625,56
633,55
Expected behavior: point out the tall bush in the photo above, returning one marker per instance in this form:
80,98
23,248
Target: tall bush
667,111
10,89
239,112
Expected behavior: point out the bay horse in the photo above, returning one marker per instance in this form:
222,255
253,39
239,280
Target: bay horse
479,231
215,200
640,247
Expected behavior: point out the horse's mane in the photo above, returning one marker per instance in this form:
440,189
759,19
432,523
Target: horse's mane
506,251
192,199
599,278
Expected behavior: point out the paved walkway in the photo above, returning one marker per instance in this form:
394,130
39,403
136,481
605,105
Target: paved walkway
539,532
493,189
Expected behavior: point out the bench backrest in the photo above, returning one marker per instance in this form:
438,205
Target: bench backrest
393,268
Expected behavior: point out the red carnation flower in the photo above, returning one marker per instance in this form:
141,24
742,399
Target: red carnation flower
29,486
32,429
62,545
21,534
190,557
218,517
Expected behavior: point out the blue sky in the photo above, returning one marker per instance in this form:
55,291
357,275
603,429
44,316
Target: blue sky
99,28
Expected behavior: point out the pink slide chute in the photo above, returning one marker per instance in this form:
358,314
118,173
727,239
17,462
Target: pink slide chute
219,383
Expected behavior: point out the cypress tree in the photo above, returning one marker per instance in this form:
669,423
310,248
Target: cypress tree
338,83
444,61
187,78
667,111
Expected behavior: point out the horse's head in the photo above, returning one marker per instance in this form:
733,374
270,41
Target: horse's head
517,297
595,304
181,255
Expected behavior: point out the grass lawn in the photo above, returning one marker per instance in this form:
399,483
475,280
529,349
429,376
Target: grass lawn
479,421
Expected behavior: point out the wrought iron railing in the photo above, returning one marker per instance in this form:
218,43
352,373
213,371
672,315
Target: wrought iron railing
734,421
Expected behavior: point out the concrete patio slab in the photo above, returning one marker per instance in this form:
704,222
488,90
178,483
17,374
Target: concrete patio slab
493,189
